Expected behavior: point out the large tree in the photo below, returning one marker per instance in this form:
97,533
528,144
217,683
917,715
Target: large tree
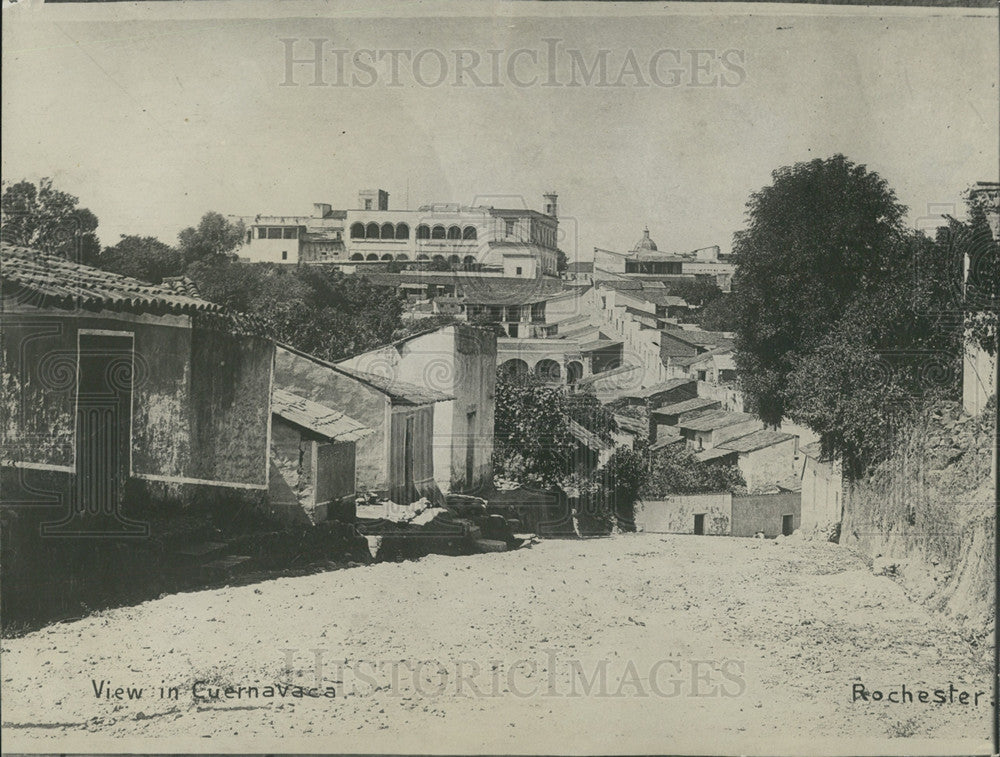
821,235
215,237
144,258
49,220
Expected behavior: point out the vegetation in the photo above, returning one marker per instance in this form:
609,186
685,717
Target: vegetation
674,470
49,220
844,318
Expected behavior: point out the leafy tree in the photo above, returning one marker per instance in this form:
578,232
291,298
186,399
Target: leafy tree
49,220
532,442
562,261
215,237
312,308
823,234
697,292
718,315
588,411
675,470
143,258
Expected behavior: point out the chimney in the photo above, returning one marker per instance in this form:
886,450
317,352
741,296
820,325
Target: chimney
551,209
321,209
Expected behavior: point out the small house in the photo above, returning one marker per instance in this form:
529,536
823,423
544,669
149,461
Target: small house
397,459
766,457
313,452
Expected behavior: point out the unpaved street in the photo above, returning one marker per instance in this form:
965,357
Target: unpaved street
630,643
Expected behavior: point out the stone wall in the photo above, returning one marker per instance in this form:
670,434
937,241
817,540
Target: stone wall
927,515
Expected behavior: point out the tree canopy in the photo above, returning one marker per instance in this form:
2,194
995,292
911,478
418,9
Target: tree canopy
49,220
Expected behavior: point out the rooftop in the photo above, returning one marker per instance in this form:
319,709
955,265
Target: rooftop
757,440
717,419
696,403
53,281
330,424
588,438
714,454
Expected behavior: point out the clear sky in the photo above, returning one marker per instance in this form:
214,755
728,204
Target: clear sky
155,113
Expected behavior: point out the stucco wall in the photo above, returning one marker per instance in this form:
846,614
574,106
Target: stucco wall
768,466
821,494
200,399
361,402
675,515
764,512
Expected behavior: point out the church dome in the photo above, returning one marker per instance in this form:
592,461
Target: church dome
645,244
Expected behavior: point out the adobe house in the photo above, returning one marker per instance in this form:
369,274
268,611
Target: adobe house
115,389
671,415
313,451
766,457
713,428
460,361
396,460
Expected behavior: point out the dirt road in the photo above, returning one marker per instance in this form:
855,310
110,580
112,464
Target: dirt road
630,643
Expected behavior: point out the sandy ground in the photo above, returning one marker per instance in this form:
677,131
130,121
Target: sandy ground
624,644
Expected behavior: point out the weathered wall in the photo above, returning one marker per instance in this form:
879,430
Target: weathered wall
200,399
361,402
821,494
930,510
764,512
421,422
765,467
675,515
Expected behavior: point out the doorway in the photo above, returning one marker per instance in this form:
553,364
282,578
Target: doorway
787,525
470,450
699,524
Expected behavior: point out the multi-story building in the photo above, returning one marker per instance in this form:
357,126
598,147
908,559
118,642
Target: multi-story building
518,243
646,262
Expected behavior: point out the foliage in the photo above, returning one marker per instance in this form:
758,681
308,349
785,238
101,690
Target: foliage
697,292
49,220
214,238
823,234
846,321
675,470
314,309
587,410
718,315
532,442
562,261
623,477
143,258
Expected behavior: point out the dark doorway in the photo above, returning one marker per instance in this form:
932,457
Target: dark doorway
103,436
470,449
787,525
408,454
699,524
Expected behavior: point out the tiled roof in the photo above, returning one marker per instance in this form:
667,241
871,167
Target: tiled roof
630,424
707,356
664,438
398,390
684,406
580,267
588,438
700,337
813,450
718,419
664,386
486,291
315,417
716,453
599,344
53,281
595,377
757,440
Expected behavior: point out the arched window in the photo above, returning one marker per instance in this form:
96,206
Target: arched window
438,232
402,256
548,370
421,256
402,231
357,256
514,368
574,372
357,231
439,259
387,256
469,261
454,259
371,231
454,232
423,231
469,232
372,256
388,231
